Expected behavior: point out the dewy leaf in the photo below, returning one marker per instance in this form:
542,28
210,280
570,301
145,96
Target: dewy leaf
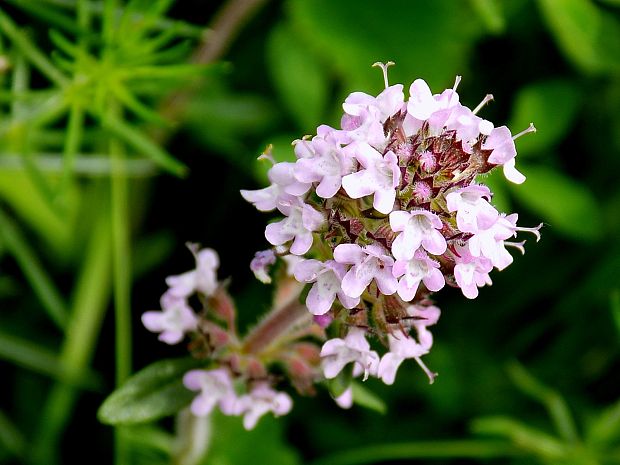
565,204
299,77
552,106
154,392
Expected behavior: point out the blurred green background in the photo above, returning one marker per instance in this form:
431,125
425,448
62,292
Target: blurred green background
128,128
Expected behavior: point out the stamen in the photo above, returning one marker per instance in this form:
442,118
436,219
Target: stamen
487,98
457,81
529,129
535,231
384,67
266,155
431,375
516,245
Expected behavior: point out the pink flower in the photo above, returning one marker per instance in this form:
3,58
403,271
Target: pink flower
503,152
261,400
419,268
365,114
215,388
401,347
202,279
417,228
301,220
473,211
471,272
260,265
354,348
380,176
327,277
370,262
284,186
324,162
172,322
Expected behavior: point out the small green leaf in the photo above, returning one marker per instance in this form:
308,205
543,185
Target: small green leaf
154,392
366,398
565,204
299,77
552,106
336,386
522,435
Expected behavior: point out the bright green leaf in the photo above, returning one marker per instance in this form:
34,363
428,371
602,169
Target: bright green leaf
552,106
566,205
586,34
366,398
154,392
299,77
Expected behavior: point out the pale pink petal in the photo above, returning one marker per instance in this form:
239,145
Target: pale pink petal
388,367
384,200
153,321
349,254
329,186
307,270
358,185
319,302
511,173
435,280
302,243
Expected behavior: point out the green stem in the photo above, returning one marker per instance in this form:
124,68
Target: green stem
72,146
41,283
122,277
89,303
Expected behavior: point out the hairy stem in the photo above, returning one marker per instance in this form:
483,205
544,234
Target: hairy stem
276,324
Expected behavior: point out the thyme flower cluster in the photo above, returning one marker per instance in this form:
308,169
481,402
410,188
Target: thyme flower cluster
377,216
387,210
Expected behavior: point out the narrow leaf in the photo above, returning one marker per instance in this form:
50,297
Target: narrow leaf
366,398
41,283
143,144
553,402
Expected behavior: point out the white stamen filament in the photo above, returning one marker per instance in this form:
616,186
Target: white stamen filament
487,98
535,231
517,245
431,375
384,67
529,129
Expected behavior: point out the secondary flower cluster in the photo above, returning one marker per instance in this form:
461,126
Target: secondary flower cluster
237,379
386,210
